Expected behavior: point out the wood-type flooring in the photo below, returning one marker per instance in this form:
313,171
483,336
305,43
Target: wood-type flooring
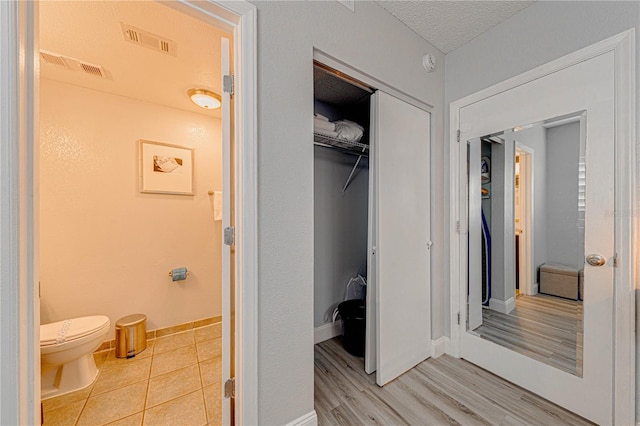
545,328
443,391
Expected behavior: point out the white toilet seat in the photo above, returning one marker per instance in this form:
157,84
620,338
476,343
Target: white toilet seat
60,332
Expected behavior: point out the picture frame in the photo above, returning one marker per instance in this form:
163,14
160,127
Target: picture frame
165,168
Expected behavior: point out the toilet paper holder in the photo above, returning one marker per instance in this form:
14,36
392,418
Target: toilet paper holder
181,273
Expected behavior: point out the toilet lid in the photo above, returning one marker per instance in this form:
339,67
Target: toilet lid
64,331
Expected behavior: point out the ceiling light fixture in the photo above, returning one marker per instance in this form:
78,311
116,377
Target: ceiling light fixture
204,98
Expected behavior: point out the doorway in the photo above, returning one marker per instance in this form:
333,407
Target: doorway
238,18
602,251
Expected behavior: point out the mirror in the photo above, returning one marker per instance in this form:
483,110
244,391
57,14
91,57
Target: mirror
526,206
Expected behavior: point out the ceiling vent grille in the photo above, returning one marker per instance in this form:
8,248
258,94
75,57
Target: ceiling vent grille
53,59
149,40
72,64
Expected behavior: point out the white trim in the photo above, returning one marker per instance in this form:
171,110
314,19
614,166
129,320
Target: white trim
623,45
440,347
502,306
19,302
309,419
327,331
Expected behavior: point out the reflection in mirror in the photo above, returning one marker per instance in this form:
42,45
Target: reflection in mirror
526,205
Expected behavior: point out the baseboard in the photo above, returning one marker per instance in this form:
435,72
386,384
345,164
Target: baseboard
309,419
502,306
440,346
327,331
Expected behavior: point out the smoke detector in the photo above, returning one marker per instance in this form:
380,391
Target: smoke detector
72,64
149,40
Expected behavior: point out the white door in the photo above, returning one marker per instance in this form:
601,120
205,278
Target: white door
227,283
587,86
402,259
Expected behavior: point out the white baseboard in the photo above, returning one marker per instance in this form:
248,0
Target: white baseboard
502,306
309,419
440,346
327,331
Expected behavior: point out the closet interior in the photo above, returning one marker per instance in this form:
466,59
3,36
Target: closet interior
341,187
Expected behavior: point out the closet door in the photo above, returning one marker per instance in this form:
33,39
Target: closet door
402,275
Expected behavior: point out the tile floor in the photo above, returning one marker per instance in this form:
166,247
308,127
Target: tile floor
175,381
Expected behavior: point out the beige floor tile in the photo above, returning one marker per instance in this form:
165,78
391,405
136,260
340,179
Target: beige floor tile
118,375
111,359
100,357
135,420
64,415
209,349
207,333
174,341
213,403
211,371
172,385
174,360
187,410
114,405
61,401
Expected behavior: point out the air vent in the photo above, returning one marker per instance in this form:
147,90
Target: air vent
53,59
147,39
72,64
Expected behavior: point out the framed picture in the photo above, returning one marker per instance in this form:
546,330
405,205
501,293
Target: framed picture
165,168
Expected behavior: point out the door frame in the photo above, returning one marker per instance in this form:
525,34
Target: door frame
623,46
19,257
526,238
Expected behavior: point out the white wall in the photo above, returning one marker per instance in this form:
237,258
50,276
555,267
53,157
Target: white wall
373,42
563,152
106,248
340,228
540,33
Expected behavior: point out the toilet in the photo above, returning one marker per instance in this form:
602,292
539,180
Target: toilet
66,353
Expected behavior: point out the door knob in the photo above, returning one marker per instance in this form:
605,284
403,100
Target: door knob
596,260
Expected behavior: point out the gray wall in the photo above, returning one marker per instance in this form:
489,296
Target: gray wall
563,151
373,42
542,32
340,228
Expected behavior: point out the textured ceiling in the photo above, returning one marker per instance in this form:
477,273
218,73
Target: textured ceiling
450,24
91,32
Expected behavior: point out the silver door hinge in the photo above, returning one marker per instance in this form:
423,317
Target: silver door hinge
615,260
229,236
429,244
458,136
458,318
230,388
458,226
228,84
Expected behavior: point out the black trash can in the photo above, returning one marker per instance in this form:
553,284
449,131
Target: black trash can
352,313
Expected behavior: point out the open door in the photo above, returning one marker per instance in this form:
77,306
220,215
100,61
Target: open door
227,243
402,235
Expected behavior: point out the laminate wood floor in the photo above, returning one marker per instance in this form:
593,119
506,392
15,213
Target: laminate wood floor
436,392
545,328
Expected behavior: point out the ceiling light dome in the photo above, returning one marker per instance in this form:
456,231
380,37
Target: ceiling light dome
204,98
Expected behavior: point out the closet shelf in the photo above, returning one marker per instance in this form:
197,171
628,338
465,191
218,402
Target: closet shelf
356,148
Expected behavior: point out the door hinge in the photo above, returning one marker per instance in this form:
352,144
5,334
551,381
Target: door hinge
615,260
458,226
458,318
230,388
228,84
458,135
229,235
429,244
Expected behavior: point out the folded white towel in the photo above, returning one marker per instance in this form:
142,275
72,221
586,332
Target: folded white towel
348,130
324,132
321,124
320,116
